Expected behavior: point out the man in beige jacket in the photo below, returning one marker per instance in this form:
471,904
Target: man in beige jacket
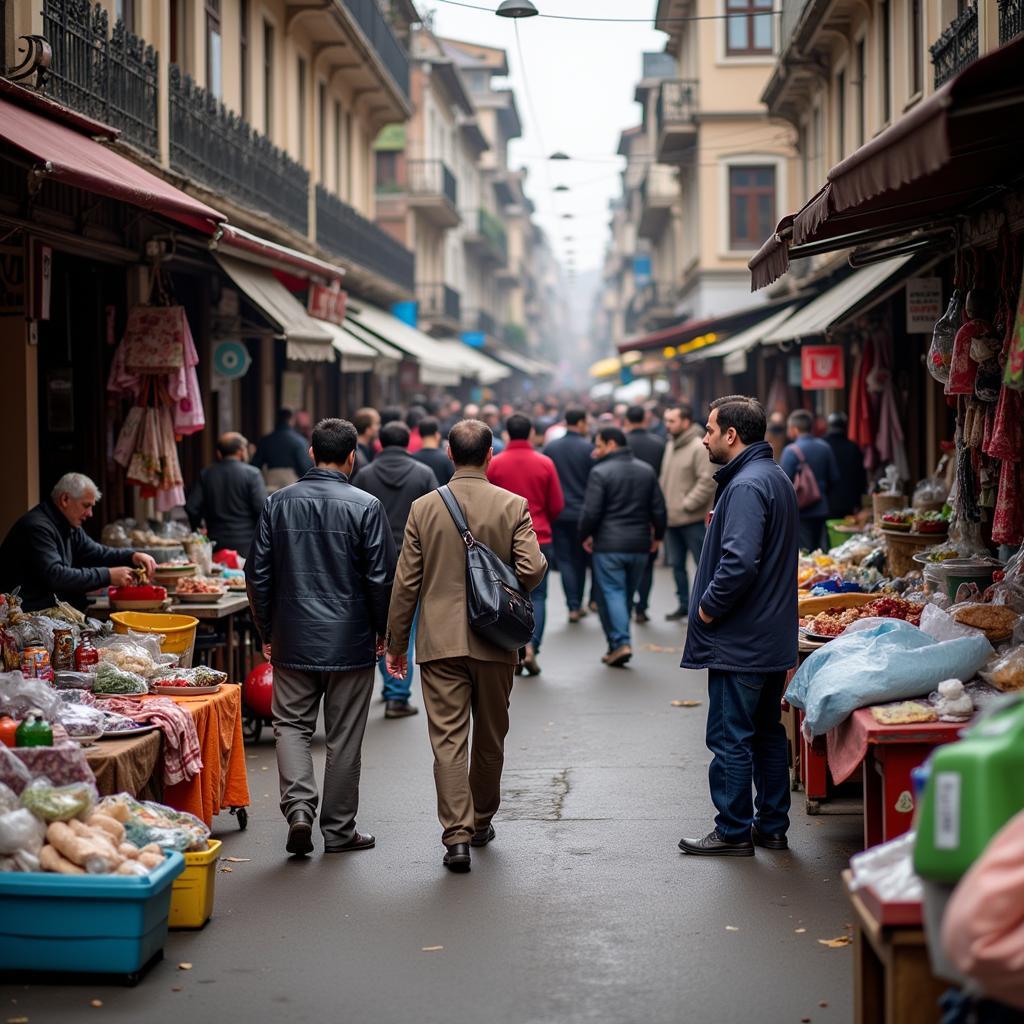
689,488
463,675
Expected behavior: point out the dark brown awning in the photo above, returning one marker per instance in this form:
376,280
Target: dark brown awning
954,150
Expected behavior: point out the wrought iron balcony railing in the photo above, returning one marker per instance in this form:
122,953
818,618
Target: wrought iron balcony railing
432,178
957,46
368,16
494,232
107,75
221,151
1011,19
439,300
351,236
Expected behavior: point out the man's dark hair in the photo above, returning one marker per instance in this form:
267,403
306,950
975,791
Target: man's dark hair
363,420
613,434
574,416
414,415
684,408
333,441
284,417
838,421
390,414
428,426
394,435
519,427
469,442
801,421
744,414
636,414
231,444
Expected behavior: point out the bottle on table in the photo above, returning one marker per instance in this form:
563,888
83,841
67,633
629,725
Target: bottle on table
35,731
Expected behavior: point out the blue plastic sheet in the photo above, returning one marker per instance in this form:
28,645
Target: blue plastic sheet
888,661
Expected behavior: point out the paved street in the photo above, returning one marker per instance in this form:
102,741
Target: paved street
582,911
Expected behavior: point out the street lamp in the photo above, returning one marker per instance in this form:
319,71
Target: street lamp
516,9
561,188
559,155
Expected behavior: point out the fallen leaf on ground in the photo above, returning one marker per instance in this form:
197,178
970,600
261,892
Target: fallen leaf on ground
264,769
799,931
17,1020
185,967
837,942
96,1003
731,928
224,868
823,1004
686,703
431,949
176,988
658,649
237,860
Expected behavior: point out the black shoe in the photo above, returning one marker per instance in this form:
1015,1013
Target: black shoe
300,834
769,840
457,858
677,616
400,709
713,845
360,841
642,618
483,837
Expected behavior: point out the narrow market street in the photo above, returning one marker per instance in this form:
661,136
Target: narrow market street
582,910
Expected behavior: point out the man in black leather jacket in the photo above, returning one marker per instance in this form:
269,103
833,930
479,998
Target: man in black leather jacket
622,523
319,577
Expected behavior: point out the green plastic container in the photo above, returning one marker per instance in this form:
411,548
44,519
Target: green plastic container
974,788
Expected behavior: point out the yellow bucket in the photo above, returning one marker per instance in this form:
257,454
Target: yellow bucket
178,631
192,893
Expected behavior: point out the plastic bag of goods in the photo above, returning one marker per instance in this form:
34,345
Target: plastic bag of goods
148,822
19,696
58,803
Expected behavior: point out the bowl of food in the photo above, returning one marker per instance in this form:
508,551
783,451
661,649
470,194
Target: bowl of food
168,572
901,520
930,522
137,598
199,590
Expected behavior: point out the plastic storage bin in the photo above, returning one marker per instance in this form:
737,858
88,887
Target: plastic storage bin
192,895
97,924
178,631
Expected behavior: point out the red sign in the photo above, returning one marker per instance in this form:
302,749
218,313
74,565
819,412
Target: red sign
821,367
327,303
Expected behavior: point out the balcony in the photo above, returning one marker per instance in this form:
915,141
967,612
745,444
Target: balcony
352,237
108,76
652,304
441,304
367,15
480,320
486,236
659,191
957,46
1011,19
223,153
434,191
675,119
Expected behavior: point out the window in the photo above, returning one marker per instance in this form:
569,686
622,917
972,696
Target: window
886,28
916,47
124,10
300,96
268,78
841,114
338,142
803,142
214,56
748,29
177,54
751,206
243,57
321,132
387,171
860,86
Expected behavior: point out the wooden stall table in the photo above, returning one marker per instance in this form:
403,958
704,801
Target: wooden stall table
129,765
893,982
886,754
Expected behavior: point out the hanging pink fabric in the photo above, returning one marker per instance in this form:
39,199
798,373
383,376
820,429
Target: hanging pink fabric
189,417
1008,518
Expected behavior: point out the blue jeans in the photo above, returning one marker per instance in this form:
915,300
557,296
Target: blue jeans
643,590
746,736
682,541
395,688
571,561
539,596
617,575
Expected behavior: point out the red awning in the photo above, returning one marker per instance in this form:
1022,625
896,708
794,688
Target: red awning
235,241
951,152
68,156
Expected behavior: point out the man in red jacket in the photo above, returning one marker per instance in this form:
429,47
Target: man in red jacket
521,469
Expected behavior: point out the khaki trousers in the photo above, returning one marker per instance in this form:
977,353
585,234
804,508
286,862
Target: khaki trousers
468,785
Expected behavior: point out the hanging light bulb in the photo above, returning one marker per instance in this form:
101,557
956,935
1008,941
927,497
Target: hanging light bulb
561,188
516,9
559,155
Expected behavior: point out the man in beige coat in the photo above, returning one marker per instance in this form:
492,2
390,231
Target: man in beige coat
689,488
463,675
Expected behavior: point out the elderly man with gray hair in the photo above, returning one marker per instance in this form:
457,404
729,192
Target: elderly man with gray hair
48,555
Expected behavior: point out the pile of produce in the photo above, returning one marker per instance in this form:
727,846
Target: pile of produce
201,675
901,519
833,621
199,585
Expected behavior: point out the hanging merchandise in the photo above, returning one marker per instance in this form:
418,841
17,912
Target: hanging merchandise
963,367
890,439
940,355
154,339
1014,374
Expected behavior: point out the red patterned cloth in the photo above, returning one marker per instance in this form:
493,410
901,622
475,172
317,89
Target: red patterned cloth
183,758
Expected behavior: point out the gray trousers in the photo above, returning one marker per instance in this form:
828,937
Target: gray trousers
346,697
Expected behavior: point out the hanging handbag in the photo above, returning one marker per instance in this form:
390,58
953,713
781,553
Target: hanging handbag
499,610
154,339
808,492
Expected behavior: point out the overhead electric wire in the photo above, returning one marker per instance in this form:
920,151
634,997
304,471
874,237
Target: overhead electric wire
620,21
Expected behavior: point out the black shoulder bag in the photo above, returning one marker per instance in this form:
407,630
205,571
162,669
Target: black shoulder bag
498,609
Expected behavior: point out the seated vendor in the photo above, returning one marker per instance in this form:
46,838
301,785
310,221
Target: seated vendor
49,555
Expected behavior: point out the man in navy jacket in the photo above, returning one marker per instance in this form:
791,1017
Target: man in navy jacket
742,629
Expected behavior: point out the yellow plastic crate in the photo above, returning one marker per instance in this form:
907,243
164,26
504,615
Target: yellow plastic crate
192,895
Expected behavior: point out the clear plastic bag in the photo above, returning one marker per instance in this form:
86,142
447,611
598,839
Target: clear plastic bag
148,822
123,652
1006,672
940,353
19,695
73,680
8,799
58,803
21,830
931,490
889,870
111,679
13,773
79,720
940,625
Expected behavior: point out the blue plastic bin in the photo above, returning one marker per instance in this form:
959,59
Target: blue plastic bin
98,924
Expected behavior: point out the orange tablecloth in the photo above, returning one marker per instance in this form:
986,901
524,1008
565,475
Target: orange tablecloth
222,782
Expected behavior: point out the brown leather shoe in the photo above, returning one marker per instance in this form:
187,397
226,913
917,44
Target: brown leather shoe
483,837
457,858
300,834
577,615
618,657
360,841
530,663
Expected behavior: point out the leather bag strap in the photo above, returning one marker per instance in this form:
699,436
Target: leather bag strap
452,505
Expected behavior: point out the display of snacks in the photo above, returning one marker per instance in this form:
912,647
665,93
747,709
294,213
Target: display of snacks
902,519
996,621
833,621
904,712
199,585
930,522
174,570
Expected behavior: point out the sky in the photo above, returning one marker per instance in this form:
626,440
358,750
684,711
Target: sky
574,83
